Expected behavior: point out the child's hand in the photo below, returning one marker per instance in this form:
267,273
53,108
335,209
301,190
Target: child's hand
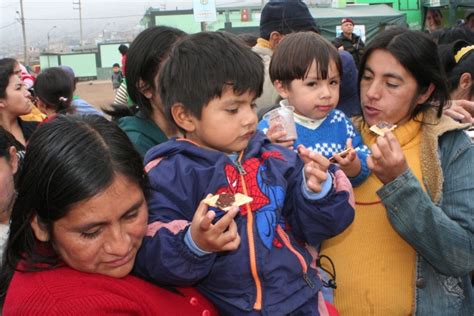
350,164
277,135
221,236
315,169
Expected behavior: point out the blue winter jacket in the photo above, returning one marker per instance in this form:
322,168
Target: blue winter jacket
181,174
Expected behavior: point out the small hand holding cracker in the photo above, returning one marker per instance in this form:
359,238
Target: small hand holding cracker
315,168
215,237
387,161
348,160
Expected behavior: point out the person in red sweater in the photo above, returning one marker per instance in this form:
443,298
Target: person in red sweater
78,222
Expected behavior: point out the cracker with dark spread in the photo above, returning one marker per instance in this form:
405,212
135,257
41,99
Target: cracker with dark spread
225,201
382,128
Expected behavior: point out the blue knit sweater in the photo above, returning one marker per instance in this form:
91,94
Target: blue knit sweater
330,138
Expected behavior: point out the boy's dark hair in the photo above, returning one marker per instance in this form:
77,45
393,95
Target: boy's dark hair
69,159
115,65
123,49
294,55
417,53
55,89
201,65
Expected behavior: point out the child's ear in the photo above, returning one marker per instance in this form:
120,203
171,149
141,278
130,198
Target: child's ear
41,233
281,89
183,118
145,89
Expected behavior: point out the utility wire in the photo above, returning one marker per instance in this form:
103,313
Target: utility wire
96,18
8,25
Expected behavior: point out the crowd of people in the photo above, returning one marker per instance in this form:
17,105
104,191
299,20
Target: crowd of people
115,216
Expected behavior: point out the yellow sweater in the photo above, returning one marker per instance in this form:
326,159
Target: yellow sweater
375,267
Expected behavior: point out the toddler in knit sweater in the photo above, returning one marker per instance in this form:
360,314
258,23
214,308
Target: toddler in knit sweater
306,71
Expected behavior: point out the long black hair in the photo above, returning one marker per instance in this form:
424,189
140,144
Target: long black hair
144,58
68,160
54,89
417,53
7,69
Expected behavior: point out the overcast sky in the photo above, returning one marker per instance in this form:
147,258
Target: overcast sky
42,16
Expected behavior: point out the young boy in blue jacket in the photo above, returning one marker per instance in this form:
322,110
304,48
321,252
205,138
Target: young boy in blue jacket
251,259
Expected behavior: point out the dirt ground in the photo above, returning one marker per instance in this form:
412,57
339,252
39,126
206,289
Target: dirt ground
98,93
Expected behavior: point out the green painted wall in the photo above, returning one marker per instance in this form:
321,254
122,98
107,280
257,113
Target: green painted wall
47,61
83,64
109,54
186,22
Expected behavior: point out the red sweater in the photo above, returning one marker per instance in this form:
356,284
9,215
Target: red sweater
64,291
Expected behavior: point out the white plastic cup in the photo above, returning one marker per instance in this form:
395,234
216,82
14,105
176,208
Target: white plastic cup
284,117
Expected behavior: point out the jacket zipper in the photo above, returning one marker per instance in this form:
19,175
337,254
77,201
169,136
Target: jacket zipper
251,240
286,240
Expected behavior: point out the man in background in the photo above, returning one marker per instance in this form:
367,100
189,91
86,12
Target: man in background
349,41
277,19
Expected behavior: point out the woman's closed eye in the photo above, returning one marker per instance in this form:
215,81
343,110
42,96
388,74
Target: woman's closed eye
91,234
130,215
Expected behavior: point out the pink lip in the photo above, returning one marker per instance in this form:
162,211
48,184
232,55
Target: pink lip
121,261
370,111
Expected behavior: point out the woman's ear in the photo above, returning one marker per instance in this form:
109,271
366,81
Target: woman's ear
465,82
145,89
183,118
281,89
13,159
423,97
41,233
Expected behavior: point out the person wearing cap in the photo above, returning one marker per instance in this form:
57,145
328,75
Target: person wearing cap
349,41
81,105
277,19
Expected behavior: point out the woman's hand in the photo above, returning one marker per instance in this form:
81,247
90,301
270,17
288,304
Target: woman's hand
461,110
277,135
315,168
350,163
387,161
217,237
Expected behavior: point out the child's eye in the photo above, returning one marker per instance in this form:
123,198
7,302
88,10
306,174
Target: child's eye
312,84
91,235
334,82
232,111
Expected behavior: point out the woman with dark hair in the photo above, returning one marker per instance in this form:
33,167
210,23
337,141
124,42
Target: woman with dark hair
458,61
14,102
413,233
8,168
76,227
149,126
54,92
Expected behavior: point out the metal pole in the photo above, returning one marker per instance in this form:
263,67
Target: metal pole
79,7
25,48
